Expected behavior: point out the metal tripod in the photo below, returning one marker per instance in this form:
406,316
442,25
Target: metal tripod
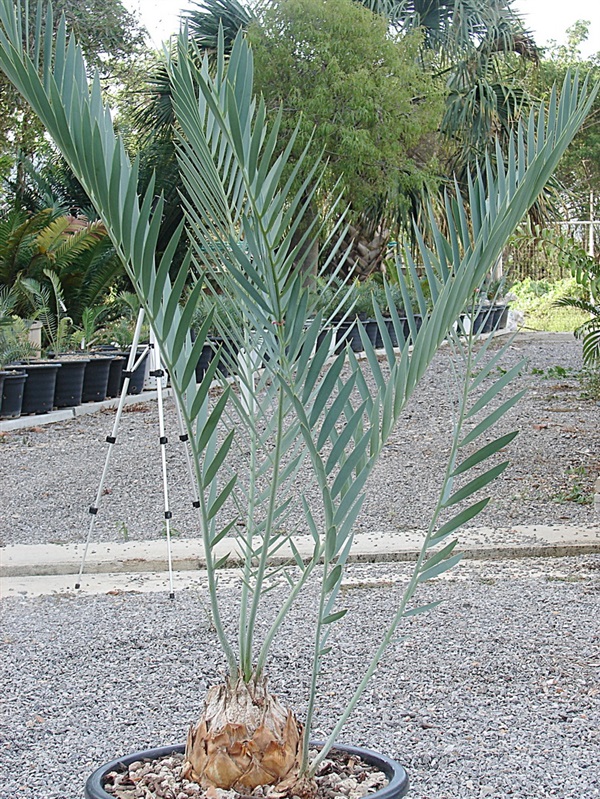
151,350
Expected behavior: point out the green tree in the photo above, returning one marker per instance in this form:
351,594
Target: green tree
113,42
360,97
482,50
579,171
359,93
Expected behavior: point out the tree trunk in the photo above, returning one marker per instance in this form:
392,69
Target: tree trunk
367,250
308,253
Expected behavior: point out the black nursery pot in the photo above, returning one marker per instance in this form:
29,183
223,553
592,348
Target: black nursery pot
396,788
11,396
95,380
69,383
486,320
136,380
204,360
38,392
115,375
502,317
348,333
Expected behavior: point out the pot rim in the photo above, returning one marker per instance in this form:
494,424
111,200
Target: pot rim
397,777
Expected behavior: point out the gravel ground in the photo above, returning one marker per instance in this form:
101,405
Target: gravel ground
50,474
496,693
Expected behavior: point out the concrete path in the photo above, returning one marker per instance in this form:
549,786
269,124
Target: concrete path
142,565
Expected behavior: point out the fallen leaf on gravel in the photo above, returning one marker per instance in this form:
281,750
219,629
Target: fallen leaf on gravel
540,426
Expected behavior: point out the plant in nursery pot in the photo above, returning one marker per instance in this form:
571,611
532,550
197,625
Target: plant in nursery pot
117,340
77,368
300,417
47,302
374,292
34,394
338,302
14,346
221,345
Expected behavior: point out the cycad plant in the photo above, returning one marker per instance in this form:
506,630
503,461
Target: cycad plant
292,416
14,340
48,307
587,275
78,252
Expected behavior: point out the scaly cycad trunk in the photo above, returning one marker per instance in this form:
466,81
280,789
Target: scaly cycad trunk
246,738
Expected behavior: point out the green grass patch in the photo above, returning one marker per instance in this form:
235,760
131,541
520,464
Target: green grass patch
536,299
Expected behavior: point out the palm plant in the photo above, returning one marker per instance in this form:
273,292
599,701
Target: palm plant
587,274
76,251
48,307
480,48
298,415
14,341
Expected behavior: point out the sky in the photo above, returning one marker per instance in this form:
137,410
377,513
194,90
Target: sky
548,19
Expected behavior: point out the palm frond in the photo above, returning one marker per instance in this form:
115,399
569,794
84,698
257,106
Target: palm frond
206,19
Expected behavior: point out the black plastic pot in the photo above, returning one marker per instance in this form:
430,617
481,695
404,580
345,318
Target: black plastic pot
38,392
95,380
204,360
12,394
115,375
69,382
503,317
344,333
136,380
397,777
372,330
491,318
228,355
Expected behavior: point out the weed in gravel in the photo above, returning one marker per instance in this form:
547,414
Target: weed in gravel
137,407
554,372
580,490
589,380
123,530
173,532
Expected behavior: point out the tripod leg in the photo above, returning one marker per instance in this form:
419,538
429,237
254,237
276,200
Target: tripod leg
158,373
112,438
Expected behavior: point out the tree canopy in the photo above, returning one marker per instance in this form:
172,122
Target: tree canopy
357,91
579,170
112,41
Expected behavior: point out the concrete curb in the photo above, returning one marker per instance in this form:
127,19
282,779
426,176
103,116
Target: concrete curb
66,414
140,566
138,557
